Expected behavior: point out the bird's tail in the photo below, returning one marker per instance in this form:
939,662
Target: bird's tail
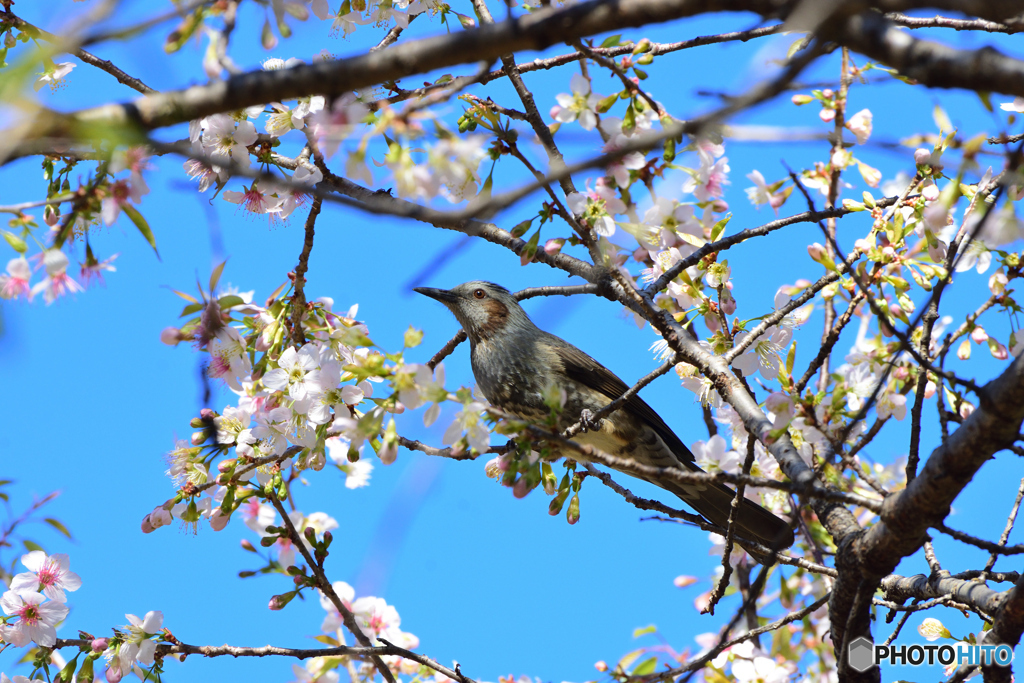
753,522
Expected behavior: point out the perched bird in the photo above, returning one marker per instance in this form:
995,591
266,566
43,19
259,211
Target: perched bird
515,362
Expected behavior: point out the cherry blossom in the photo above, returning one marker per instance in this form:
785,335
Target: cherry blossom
221,137
298,372
596,207
256,200
1016,106
53,75
764,355
333,619
138,645
761,194
50,574
228,357
16,282
860,125
332,125
358,472
468,419
36,617
57,282
709,180
581,104
208,175
118,195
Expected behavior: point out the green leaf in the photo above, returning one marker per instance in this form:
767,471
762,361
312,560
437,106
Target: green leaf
644,630
16,242
645,667
719,227
142,225
190,309
612,41
31,545
215,276
56,524
186,297
229,300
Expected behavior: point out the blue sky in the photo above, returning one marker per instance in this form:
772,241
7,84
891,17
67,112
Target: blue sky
92,399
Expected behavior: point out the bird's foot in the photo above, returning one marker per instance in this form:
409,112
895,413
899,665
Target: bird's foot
588,423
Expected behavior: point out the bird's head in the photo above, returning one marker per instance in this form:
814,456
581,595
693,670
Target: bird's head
484,309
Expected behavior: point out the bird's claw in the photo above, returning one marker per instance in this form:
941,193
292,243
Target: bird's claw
587,421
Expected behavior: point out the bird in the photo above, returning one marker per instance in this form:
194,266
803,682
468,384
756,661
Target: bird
515,364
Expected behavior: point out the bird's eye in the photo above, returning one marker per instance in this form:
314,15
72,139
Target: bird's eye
479,293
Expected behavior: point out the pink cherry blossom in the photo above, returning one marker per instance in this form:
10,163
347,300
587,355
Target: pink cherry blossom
16,282
580,105
36,617
50,574
58,282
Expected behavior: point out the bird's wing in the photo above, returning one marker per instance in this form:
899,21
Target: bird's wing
713,501
588,372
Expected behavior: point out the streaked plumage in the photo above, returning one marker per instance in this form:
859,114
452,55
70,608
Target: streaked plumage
514,362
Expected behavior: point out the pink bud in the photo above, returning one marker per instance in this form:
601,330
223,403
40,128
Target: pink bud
170,336
901,374
99,644
728,303
929,389
207,414
827,115
114,672
601,666
521,488
966,409
218,520
979,335
553,246
964,350
816,251
684,581
827,92
997,350
922,156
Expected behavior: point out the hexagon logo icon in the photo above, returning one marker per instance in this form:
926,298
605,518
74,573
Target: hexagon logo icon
861,654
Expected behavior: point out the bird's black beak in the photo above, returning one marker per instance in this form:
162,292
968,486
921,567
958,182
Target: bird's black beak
443,295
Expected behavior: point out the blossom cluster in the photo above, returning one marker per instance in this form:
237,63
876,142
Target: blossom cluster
37,599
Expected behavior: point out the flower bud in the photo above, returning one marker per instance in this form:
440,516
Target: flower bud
247,545
572,515
521,487
964,351
279,602
328,537
198,438
85,672
817,252
979,335
114,674
9,40
601,666
99,644
310,534
922,156
802,99
170,336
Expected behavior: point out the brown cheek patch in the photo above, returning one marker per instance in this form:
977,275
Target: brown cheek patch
497,316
